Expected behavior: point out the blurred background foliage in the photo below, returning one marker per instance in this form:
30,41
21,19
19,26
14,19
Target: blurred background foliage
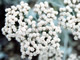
11,50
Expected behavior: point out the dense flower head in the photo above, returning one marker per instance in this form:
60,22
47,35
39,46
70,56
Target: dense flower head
70,17
36,36
15,20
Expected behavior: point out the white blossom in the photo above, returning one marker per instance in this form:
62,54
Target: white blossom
36,37
70,17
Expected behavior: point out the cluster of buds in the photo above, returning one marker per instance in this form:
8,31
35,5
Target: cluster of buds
36,36
70,17
14,20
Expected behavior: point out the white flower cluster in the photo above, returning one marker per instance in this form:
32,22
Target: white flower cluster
51,54
36,37
47,14
73,56
70,17
14,21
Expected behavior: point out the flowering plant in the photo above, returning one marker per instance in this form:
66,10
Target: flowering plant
39,35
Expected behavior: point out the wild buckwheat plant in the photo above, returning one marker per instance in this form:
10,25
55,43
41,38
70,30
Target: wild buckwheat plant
70,17
37,36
